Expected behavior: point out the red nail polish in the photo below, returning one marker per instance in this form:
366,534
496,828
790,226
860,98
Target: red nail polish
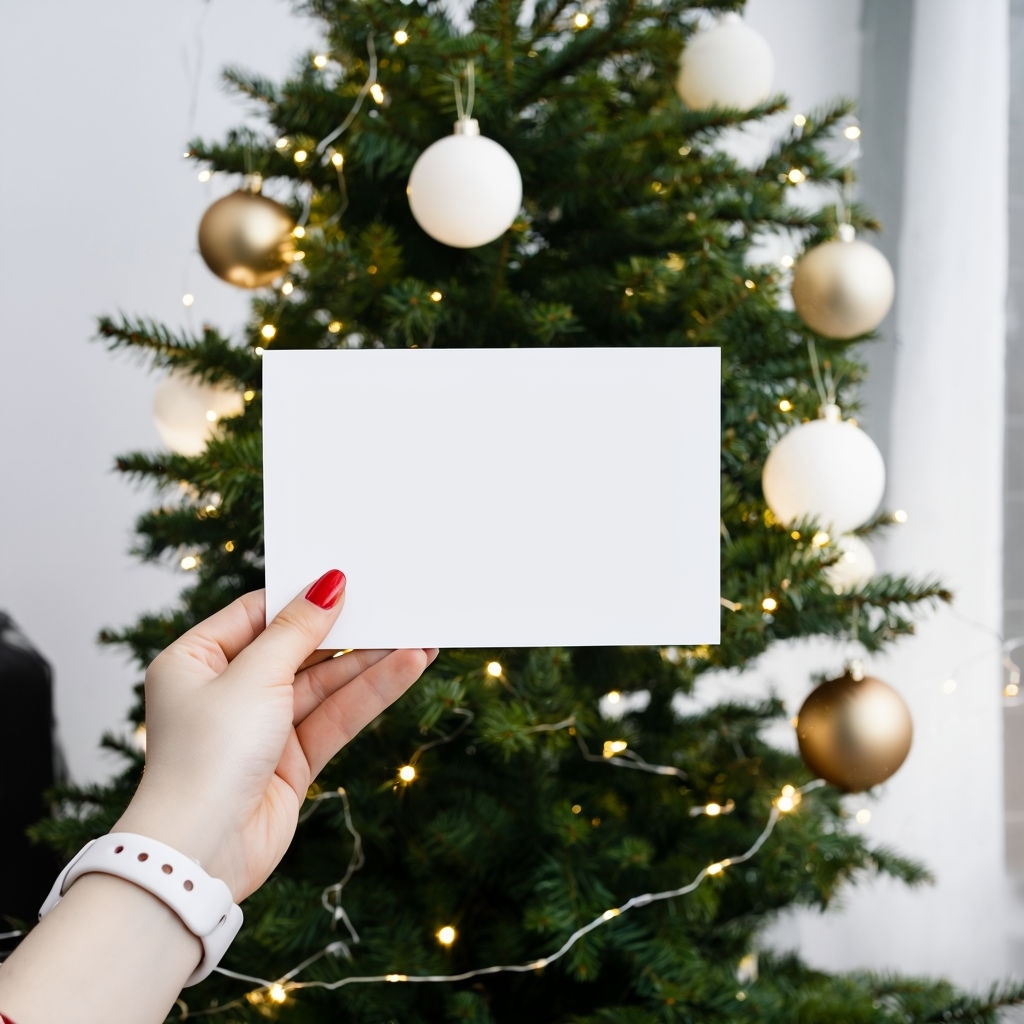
327,590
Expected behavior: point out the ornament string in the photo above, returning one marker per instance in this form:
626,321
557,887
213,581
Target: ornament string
465,111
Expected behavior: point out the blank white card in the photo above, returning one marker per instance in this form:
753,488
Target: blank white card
497,497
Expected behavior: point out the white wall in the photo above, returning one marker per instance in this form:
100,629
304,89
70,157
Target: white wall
100,213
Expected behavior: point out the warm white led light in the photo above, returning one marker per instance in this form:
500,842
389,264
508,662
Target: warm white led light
407,773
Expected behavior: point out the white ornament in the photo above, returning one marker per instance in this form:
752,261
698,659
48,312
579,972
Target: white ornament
465,190
855,567
729,65
827,470
186,411
844,287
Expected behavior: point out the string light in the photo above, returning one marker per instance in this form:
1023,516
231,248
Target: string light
338,159
277,990
799,120
436,296
187,299
788,800
863,816
852,132
769,604
287,288
298,231
785,405
948,686
300,156
796,176
613,747
401,37
580,20
613,696
407,773
320,61
900,516
205,174
494,669
820,539
282,143
268,332
335,327
189,562
377,93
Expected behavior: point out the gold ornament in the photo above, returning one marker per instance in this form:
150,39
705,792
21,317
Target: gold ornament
246,239
843,288
854,732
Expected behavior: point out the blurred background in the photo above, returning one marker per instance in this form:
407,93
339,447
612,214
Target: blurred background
101,212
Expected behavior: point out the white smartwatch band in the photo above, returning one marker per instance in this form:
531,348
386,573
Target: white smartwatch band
203,903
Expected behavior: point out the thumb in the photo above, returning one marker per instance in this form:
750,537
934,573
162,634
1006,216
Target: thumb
295,632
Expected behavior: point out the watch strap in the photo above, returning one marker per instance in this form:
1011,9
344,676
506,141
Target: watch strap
203,903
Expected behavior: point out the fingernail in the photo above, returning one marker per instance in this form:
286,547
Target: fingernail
327,590
431,653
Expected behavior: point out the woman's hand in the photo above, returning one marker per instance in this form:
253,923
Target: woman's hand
241,718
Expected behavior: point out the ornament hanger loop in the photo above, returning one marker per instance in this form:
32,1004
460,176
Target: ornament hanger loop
465,109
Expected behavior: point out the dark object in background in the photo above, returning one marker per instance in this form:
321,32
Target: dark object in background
31,762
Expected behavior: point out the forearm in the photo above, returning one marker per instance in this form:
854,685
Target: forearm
108,951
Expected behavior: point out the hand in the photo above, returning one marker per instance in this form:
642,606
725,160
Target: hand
241,719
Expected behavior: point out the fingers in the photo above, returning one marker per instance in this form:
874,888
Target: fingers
218,639
320,681
274,656
346,711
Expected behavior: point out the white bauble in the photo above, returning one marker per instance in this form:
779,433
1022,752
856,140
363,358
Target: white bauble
186,411
465,190
843,288
729,65
855,567
827,470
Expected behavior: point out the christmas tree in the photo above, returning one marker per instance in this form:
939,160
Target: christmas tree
550,832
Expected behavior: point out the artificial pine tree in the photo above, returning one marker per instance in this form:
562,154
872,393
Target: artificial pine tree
508,797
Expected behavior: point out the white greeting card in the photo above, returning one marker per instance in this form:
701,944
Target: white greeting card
497,497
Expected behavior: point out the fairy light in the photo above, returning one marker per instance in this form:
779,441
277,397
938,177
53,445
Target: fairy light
300,156
788,800
785,405
139,737
852,132
248,395
863,816
188,299
401,37
335,327
769,604
580,20
494,669
229,546
268,332
377,93
436,296
613,747
900,516
786,261
189,562
320,61
407,773
258,350
287,288
205,174
446,935
799,120
948,686
613,696
287,983
338,159
750,285
796,176
277,993
298,231
820,539
282,143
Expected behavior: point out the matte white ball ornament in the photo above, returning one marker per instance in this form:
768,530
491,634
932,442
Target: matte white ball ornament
186,411
465,190
856,564
844,287
827,470
729,65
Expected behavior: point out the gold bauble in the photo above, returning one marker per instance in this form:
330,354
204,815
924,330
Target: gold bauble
854,732
246,239
843,288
